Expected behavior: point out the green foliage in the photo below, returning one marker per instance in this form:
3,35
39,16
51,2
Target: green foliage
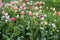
41,24
6,1
56,0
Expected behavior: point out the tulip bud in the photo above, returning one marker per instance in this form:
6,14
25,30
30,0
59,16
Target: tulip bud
26,0
3,12
22,12
21,0
30,13
16,8
46,7
12,7
14,19
58,13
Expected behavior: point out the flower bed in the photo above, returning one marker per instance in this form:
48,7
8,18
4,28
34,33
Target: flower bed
29,20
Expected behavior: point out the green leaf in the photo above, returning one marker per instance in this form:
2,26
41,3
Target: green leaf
43,38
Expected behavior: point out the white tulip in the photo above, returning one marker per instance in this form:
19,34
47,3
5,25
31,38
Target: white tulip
17,16
53,25
6,14
7,17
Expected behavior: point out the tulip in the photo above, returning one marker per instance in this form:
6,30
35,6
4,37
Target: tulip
46,7
3,12
14,19
58,13
12,7
6,14
16,8
17,16
51,8
30,13
0,1
15,2
36,8
40,7
26,0
21,0
53,25
42,17
1,4
34,17
41,2
22,12
7,17
54,12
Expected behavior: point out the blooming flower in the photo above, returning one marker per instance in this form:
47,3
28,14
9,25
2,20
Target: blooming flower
15,2
43,2
30,13
45,23
21,0
42,17
53,25
1,4
0,1
22,16
54,13
53,9
3,12
57,30
40,2
28,3
6,14
46,7
31,1
6,20
40,7
26,0
16,8
17,16
36,8
7,17
12,7
22,12
58,13
42,23
14,19
34,17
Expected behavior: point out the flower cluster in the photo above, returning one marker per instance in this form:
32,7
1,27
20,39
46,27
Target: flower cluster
25,19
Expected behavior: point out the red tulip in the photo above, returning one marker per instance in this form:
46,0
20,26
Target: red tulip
26,0
30,13
58,13
14,19
22,12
